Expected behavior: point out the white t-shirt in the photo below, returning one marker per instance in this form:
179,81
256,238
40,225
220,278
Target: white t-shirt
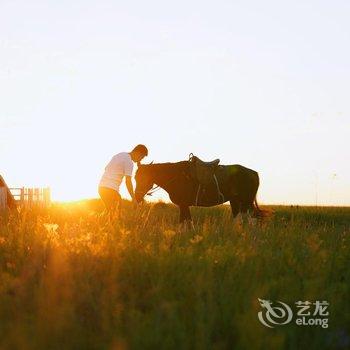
119,166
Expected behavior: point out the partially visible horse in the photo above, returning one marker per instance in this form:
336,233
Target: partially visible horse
234,183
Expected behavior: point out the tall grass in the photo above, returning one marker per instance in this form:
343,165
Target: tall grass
70,278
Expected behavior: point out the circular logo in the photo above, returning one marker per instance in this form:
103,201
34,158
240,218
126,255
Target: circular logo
274,315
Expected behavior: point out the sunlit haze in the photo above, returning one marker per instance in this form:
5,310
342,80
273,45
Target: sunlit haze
262,84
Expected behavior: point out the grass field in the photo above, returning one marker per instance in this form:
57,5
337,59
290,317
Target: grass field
72,279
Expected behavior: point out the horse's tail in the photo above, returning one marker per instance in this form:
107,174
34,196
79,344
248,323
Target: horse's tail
260,213
257,211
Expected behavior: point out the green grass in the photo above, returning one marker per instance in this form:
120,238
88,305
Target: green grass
143,282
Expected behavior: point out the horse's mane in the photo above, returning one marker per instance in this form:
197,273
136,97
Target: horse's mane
170,166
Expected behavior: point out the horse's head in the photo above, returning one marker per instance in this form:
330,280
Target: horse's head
144,181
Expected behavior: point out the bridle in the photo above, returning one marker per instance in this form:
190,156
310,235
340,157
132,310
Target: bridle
153,190
157,188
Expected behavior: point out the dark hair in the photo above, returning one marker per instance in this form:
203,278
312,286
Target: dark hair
141,149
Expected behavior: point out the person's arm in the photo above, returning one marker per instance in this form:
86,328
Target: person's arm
130,187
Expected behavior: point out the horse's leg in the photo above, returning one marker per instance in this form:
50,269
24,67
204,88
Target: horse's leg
248,212
245,212
185,214
234,207
182,214
239,210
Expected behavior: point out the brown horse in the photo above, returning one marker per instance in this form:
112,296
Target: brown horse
234,183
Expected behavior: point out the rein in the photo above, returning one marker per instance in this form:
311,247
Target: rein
157,188
153,190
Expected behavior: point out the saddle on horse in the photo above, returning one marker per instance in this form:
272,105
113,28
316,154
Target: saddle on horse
204,173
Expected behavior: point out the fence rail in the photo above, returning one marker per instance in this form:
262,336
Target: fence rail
24,195
11,197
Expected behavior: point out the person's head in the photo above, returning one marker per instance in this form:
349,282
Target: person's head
138,153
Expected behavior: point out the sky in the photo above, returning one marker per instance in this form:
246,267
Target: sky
263,84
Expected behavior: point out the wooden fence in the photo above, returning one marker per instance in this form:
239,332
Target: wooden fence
12,197
29,196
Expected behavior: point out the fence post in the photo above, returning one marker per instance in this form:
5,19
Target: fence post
30,196
47,196
36,195
22,196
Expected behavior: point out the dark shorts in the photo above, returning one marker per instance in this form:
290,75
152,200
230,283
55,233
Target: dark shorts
111,198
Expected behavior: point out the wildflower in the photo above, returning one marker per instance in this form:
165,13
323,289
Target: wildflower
169,233
196,239
314,242
51,227
10,265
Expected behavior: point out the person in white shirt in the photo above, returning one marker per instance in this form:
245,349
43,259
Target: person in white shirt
120,166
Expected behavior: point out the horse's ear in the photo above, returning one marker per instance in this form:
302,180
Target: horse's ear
140,165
